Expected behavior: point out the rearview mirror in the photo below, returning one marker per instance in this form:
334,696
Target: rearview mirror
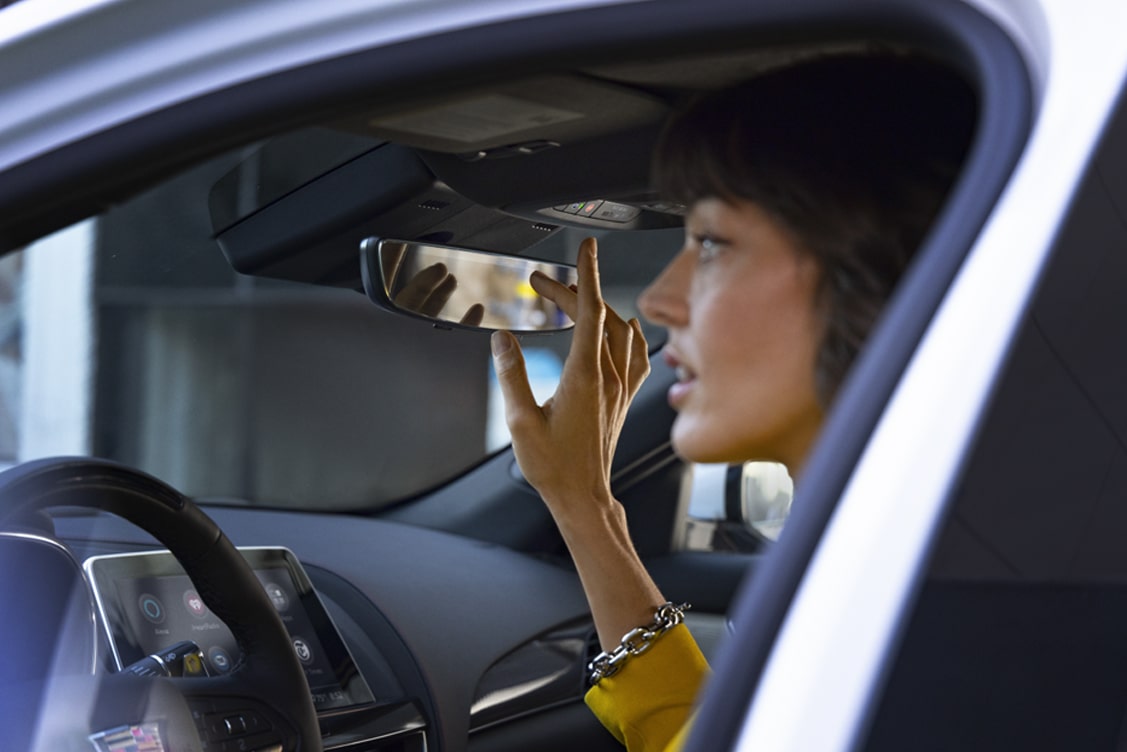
460,287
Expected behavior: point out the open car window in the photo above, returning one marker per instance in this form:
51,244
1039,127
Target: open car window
255,390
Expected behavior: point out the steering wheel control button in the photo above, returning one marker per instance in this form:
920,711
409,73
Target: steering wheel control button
220,660
304,652
250,744
151,608
194,603
278,597
235,725
237,731
255,722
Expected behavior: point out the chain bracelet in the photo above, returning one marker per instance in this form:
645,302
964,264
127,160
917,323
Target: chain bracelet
637,641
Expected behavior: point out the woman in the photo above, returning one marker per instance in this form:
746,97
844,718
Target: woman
808,190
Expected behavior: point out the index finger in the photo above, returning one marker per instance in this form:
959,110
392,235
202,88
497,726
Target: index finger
590,312
391,256
562,295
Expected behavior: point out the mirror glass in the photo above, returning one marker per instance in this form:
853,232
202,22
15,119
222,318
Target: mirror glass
766,492
461,286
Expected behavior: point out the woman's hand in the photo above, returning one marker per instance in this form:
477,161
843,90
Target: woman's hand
565,446
428,292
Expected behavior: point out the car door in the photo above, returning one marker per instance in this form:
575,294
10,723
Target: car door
220,91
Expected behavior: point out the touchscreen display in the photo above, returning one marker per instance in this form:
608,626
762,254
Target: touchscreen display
148,604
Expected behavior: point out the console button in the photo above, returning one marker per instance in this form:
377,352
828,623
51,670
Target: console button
613,212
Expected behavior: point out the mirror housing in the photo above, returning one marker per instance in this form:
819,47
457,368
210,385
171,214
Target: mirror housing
461,287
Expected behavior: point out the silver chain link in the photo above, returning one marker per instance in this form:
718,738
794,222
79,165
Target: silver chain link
637,641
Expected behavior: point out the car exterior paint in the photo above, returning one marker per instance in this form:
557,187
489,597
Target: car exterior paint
870,558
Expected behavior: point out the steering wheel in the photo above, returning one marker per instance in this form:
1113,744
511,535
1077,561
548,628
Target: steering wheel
267,684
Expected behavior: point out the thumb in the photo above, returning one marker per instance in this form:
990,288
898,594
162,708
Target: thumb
508,362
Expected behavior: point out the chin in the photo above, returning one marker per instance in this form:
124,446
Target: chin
694,444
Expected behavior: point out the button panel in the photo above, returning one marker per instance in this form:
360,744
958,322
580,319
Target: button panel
605,211
233,730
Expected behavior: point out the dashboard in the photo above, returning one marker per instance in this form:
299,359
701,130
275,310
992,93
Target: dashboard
150,609
408,638
411,639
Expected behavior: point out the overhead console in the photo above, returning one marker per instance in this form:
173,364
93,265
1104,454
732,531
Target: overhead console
484,170
311,232
148,605
496,121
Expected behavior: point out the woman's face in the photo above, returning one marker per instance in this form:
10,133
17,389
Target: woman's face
744,329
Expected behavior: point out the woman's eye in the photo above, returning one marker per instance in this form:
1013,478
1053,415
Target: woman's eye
709,248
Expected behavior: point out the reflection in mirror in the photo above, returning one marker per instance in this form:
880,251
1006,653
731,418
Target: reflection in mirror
462,287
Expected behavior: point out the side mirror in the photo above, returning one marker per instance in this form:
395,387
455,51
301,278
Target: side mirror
765,496
461,287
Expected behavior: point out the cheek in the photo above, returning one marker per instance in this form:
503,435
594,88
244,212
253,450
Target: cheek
762,338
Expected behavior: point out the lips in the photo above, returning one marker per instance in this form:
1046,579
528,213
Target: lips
686,377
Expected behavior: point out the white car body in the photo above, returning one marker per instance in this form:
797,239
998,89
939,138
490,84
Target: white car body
871,556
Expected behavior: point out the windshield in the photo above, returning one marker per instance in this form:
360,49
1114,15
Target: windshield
129,336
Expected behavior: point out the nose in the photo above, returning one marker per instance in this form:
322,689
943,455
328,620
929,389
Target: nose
665,301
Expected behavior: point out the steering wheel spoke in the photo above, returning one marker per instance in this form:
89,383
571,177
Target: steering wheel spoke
235,723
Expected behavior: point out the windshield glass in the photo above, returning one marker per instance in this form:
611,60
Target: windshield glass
129,336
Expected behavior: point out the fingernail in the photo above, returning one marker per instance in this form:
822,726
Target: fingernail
500,343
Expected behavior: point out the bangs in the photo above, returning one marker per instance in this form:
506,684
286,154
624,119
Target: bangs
757,143
702,153
816,134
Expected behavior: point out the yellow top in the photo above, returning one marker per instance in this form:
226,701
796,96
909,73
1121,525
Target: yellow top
647,704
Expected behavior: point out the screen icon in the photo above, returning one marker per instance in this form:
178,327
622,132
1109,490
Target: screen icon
304,652
277,596
219,659
151,607
194,603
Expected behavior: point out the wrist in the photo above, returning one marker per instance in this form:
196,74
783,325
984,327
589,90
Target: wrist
582,510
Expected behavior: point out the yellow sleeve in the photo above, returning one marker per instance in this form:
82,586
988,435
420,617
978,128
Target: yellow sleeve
647,704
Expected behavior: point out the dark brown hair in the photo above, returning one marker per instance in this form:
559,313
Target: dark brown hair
852,154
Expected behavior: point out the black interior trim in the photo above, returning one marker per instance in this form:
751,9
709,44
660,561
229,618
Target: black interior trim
1009,665
349,607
